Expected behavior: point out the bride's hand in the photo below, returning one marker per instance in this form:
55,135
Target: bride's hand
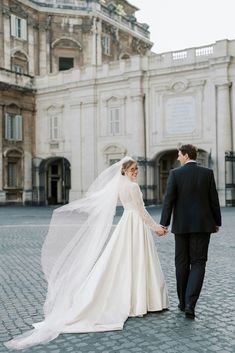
160,231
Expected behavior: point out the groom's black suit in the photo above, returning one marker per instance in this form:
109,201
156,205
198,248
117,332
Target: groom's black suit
191,194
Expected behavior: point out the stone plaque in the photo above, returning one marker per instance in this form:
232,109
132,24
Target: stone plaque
180,115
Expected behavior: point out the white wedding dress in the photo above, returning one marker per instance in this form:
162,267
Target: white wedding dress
126,280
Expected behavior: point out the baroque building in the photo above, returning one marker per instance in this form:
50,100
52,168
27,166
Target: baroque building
39,38
80,88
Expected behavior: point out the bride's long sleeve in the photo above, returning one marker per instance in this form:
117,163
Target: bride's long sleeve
137,200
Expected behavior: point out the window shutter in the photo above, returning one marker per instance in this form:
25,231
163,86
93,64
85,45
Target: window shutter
117,122
51,127
7,126
114,121
13,25
55,128
111,122
24,29
18,127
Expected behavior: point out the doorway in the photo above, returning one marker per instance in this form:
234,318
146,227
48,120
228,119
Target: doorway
54,181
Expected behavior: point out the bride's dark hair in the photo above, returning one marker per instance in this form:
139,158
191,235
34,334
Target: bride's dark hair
126,165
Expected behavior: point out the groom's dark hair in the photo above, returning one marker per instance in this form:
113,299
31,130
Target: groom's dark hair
190,150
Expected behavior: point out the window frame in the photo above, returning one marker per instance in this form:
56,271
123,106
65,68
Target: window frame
106,44
18,27
54,132
13,127
13,176
114,121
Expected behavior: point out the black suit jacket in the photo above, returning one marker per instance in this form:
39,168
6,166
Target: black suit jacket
191,194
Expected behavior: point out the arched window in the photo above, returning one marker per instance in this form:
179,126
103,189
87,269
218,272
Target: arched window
19,62
125,56
13,168
66,54
114,153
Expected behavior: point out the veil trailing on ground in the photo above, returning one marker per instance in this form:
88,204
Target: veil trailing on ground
77,236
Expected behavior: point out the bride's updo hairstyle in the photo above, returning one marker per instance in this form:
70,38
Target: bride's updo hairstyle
127,165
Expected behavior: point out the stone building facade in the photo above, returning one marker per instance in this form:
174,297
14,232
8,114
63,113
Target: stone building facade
145,107
17,137
39,38
100,93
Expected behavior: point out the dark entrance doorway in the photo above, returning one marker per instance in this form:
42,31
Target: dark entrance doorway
164,162
54,181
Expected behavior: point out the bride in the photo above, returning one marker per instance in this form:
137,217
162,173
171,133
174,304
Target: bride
99,275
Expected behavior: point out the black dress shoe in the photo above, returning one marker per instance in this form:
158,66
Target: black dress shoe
181,307
189,312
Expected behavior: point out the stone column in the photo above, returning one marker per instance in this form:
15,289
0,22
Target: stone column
42,52
75,127
89,145
2,193
98,43
7,49
36,161
1,40
233,117
224,135
94,42
138,131
31,64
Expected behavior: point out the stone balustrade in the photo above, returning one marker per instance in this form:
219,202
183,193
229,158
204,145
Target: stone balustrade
192,56
222,48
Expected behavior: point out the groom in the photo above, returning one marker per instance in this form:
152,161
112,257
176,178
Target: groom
191,194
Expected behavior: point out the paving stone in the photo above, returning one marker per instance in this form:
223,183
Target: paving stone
23,290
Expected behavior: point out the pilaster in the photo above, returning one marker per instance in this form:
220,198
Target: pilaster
224,134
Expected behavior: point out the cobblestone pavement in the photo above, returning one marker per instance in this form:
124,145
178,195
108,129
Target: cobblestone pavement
23,288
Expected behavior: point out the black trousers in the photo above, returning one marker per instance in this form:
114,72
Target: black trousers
190,262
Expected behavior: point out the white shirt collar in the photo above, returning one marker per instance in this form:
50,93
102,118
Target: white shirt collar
191,160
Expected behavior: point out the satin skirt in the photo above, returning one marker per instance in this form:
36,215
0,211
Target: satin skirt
127,280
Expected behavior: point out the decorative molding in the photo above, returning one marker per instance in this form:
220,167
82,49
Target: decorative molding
114,99
17,9
19,151
18,49
54,109
62,40
179,86
183,84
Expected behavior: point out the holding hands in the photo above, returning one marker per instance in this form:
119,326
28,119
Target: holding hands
161,231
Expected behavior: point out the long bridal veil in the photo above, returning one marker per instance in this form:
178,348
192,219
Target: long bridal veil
77,236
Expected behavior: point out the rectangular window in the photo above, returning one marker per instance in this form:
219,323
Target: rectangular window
112,161
13,127
65,63
54,128
106,44
114,121
12,174
19,69
18,27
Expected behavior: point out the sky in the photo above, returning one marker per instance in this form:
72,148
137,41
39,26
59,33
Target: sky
181,24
